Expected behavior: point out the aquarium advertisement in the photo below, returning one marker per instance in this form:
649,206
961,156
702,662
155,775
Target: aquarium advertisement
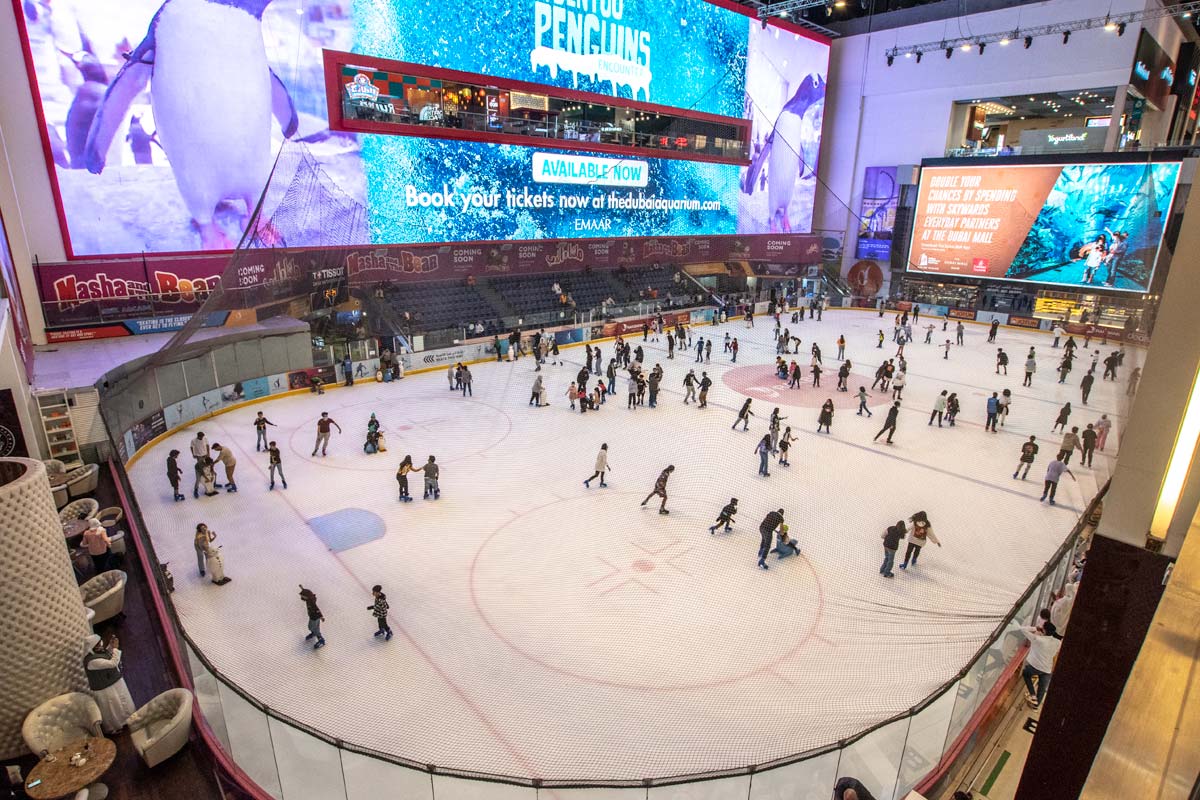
877,217
1089,226
162,122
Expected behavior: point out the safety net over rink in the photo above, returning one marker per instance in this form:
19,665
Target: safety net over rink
553,633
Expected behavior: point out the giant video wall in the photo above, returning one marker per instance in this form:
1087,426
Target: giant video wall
1085,225
162,119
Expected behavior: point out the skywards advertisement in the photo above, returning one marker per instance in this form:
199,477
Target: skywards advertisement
163,120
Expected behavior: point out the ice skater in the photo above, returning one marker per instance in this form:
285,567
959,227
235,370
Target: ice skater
1064,415
601,467
1085,384
889,424
537,395
726,517
705,385
1070,443
843,375
891,543
379,610
199,449
465,381
862,402
660,489
992,329
785,545
406,466
733,348
946,351
1087,442
1054,471
785,444
993,412
1030,368
1001,361
323,426
959,329
744,416
939,408
825,418
260,427
1029,451
898,384
1103,426
766,531
763,449
432,473
275,465
174,473
841,346
922,532
226,458
315,617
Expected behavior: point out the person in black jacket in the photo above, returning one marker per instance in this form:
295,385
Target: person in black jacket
743,416
891,543
173,473
889,424
766,530
379,610
726,516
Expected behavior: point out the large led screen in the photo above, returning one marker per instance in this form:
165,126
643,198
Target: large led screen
1083,225
163,120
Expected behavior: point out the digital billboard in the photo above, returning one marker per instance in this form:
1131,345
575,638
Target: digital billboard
162,120
877,217
1083,225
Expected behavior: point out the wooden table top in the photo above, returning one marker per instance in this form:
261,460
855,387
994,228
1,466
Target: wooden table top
74,528
57,478
60,779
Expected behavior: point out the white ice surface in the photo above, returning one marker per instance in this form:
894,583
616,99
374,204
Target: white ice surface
547,630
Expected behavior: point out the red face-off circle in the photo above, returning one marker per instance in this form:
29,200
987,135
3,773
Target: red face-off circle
761,383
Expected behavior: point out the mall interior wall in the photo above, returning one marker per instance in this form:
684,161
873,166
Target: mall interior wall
878,116
12,376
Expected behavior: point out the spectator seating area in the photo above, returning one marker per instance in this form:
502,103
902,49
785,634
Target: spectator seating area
494,301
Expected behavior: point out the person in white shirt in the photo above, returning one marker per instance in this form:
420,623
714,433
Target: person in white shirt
601,467
1039,663
1060,612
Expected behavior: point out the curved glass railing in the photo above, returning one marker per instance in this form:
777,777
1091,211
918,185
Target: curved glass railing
276,756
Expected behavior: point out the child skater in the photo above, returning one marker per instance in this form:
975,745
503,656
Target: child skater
726,516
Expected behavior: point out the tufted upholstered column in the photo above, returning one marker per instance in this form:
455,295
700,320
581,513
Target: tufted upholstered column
42,620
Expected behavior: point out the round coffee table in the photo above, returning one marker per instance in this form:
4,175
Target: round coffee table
53,779
74,528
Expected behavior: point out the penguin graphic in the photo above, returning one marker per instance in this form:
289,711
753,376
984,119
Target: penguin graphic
213,96
782,153
88,99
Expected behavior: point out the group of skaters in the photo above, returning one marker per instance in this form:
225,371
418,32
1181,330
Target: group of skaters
379,609
206,457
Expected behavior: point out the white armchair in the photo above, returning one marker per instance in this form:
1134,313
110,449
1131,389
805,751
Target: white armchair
54,466
84,508
105,594
60,721
83,480
160,728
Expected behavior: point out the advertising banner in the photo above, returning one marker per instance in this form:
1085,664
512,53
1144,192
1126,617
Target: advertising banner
877,216
1082,225
146,162
1153,73
1025,322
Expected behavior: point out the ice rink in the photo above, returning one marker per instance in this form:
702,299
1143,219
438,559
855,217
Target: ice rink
552,631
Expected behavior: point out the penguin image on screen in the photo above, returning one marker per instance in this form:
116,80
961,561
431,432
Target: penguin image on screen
213,95
786,153
88,99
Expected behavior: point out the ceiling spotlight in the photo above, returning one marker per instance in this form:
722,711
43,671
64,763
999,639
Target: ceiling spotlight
1004,42
981,46
1066,36
839,4
1028,42
1121,29
1109,25
966,47
949,52
891,60
908,55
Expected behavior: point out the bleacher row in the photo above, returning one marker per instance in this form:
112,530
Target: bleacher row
448,304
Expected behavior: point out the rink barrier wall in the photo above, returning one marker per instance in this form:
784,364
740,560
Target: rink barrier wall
1048,581
130,447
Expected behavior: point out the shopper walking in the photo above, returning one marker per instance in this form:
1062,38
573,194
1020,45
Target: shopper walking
1044,645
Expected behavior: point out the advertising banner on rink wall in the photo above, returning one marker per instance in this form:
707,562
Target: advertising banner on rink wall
1083,225
120,297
